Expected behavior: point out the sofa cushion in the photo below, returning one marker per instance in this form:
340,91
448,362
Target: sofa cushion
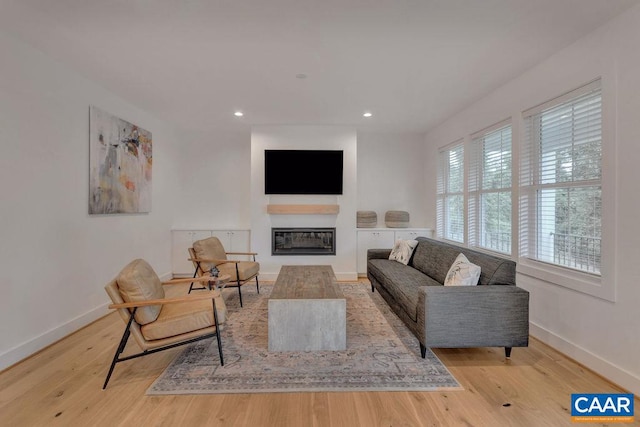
138,282
434,258
402,282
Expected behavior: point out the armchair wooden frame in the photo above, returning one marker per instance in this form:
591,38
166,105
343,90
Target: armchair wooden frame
235,283
149,347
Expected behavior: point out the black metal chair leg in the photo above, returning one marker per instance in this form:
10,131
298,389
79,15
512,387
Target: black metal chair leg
507,352
215,321
195,273
423,351
257,284
238,282
120,349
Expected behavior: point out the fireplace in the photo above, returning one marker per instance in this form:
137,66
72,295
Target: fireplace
303,241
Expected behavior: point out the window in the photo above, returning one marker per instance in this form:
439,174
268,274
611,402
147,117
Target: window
560,181
490,189
450,204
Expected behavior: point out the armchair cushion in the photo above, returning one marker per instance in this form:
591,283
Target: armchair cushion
180,318
138,282
246,270
209,248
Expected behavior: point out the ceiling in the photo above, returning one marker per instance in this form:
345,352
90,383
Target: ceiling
412,63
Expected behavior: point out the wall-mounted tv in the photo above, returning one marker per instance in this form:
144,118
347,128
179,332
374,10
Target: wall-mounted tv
303,171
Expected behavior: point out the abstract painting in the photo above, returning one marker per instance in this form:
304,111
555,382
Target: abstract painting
120,165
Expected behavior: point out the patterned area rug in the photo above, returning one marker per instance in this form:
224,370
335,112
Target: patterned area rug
381,355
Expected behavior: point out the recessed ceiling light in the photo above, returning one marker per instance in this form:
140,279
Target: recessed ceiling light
238,114
367,114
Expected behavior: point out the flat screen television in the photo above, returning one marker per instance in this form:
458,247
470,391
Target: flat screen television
303,171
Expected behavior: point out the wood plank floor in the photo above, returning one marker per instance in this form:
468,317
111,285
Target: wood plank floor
61,386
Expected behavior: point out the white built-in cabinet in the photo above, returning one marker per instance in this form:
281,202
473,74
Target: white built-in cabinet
383,238
182,240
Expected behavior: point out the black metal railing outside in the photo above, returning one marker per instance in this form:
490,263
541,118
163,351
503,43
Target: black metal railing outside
579,252
496,241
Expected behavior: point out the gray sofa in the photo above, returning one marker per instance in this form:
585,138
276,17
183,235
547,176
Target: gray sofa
495,313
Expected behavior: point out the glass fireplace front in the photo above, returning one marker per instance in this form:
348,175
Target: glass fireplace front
303,241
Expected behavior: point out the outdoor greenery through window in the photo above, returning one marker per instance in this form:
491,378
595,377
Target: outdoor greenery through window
490,190
561,188
450,203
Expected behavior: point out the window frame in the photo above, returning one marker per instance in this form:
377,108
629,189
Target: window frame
475,190
444,194
602,285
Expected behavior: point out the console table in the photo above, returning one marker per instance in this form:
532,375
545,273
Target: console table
307,310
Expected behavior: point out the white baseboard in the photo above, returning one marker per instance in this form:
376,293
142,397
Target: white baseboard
27,348
613,373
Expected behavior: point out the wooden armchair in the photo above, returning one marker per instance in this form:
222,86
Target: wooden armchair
208,253
158,323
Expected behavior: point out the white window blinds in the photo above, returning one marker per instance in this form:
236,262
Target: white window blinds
450,203
490,189
560,181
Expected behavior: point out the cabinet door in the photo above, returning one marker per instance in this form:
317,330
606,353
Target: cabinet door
181,241
413,234
225,238
235,241
372,240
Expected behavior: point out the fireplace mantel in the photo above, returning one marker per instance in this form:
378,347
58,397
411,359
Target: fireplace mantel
281,209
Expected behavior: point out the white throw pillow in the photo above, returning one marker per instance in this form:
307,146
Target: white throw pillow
402,250
462,273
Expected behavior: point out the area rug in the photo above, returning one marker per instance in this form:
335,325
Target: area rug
381,354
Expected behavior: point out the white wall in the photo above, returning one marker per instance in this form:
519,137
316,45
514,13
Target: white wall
601,334
214,180
391,176
309,138
54,258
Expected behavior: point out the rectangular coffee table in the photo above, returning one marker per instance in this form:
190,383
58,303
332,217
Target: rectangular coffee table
307,310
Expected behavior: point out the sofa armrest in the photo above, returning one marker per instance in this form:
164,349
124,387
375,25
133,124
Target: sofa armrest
378,254
475,316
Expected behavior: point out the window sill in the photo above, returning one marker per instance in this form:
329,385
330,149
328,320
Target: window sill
578,281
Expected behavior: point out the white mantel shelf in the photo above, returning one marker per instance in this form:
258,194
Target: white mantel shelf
281,209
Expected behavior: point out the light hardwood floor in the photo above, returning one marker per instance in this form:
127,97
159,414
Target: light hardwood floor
61,386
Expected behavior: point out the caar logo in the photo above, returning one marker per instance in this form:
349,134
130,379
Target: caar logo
589,408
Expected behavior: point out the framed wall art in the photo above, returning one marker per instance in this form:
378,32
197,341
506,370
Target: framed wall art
120,165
